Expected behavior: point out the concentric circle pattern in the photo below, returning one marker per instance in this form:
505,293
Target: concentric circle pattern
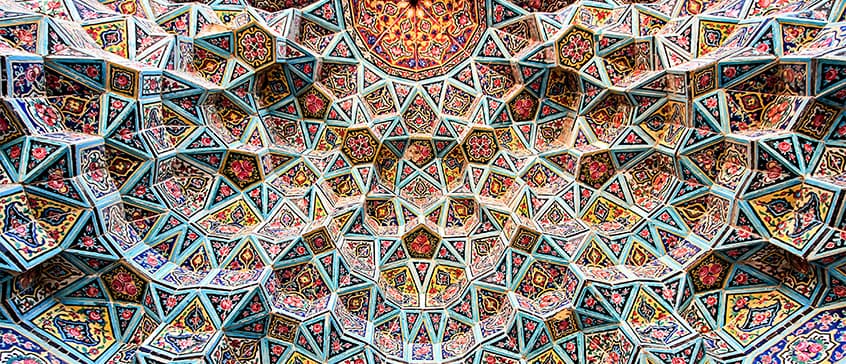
422,181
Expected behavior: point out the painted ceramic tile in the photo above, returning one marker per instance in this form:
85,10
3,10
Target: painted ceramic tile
423,181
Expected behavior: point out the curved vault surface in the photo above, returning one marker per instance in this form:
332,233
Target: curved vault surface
367,181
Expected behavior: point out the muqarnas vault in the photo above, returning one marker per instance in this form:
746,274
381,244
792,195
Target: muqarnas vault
422,181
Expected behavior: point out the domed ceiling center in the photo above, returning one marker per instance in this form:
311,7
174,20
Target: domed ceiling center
416,39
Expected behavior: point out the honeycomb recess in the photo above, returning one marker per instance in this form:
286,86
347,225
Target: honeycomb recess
422,181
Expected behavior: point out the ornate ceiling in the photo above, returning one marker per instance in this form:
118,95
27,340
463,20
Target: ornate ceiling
418,181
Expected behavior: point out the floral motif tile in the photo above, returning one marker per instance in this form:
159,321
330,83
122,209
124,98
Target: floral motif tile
422,181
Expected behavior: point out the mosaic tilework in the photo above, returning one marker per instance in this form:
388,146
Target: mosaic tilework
422,181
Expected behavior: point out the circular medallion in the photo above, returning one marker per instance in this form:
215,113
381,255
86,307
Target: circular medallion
416,39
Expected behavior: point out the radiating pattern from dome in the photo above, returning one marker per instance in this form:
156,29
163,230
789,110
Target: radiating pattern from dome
422,181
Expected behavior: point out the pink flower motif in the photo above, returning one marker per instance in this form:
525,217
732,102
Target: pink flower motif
242,169
709,273
360,146
479,146
39,153
314,104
